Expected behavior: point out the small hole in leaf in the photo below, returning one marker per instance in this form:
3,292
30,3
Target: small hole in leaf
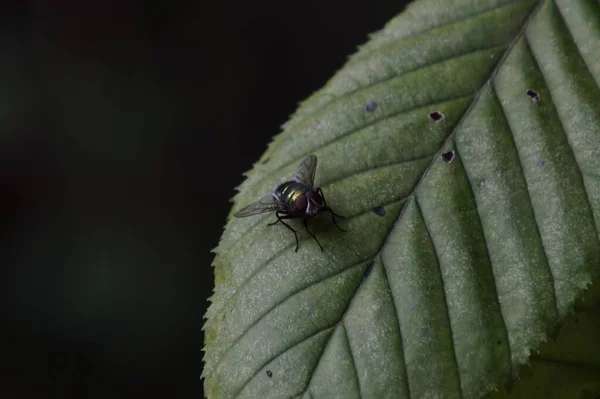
265,161
436,116
269,373
379,211
448,156
371,106
369,269
533,95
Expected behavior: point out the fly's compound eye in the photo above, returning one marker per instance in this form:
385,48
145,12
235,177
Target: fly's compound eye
301,203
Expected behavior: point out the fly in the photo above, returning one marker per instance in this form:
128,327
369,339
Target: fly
294,199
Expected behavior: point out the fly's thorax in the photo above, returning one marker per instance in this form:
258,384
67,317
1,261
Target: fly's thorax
299,198
292,196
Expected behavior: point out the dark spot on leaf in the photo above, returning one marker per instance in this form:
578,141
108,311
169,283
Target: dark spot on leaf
379,211
436,116
370,107
269,373
499,342
369,268
540,163
576,320
533,95
266,160
448,156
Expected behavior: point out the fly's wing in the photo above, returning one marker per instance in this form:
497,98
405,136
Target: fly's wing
266,204
306,171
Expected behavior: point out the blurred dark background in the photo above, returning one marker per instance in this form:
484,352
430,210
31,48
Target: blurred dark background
124,128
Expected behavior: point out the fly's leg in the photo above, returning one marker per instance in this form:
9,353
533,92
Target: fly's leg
293,231
280,219
333,215
305,220
328,209
275,222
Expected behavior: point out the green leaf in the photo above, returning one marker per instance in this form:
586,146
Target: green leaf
474,262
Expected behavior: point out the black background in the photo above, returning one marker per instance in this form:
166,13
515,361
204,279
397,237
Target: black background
125,127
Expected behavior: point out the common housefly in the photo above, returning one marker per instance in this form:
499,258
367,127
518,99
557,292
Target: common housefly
294,199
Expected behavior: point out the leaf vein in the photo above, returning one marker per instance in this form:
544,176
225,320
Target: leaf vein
531,204
352,359
329,339
408,71
374,122
385,276
232,297
487,251
562,122
418,206
576,45
283,300
282,352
